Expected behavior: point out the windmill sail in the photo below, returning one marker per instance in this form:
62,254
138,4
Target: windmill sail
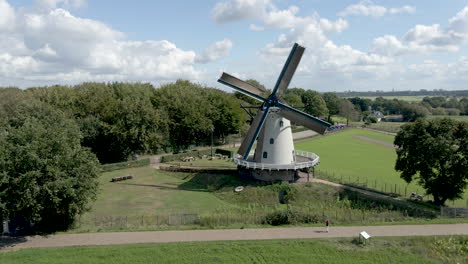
275,101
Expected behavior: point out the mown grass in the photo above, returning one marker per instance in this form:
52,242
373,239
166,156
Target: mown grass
352,160
152,198
458,118
439,249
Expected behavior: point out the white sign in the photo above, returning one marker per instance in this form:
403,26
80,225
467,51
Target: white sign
364,235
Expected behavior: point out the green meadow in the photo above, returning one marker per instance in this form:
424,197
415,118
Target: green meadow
353,160
440,249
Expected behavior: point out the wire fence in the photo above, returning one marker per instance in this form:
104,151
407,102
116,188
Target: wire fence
379,186
260,216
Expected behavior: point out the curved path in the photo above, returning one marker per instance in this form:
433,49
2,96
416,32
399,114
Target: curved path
120,238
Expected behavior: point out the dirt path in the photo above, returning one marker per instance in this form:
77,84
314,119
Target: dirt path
383,143
304,134
228,234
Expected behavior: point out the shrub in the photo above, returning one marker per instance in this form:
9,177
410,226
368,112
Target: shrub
224,152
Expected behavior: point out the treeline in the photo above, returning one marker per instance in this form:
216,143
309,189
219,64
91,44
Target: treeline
422,92
117,120
410,111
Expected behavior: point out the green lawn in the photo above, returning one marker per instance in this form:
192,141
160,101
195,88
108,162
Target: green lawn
353,160
149,193
345,250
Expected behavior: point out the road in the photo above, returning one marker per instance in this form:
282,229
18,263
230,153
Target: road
119,238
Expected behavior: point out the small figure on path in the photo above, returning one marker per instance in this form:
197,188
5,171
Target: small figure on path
327,224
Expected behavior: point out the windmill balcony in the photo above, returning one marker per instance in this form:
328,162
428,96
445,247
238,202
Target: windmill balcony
303,160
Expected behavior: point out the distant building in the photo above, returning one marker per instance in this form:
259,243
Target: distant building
377,114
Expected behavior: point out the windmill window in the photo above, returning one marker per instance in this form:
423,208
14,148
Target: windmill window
265,154
272,141
281,123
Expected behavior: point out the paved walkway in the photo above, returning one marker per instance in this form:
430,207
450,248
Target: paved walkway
119,238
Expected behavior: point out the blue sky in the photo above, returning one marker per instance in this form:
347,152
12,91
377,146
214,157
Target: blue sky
350,45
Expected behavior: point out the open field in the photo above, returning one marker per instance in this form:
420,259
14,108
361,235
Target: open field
350,159
438,249
156,199
403,98
459,118
391,127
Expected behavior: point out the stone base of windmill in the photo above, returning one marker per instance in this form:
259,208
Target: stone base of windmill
251,170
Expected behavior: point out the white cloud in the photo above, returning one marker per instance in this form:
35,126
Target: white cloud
256,28
426,39
52,4
7,16
234,10
404,9
368,8
215,51
53,46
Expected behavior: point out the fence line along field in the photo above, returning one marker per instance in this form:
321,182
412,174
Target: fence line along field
347,157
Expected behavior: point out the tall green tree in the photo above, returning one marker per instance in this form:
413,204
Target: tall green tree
348,110
314,104
435,154
333,104
46,176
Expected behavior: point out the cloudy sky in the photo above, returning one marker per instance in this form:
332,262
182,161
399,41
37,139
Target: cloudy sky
350,45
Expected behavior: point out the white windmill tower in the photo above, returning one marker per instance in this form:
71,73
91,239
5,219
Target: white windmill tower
274,157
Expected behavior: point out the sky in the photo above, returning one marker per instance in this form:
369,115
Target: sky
350,44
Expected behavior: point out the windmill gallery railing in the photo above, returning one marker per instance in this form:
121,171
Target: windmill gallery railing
303,160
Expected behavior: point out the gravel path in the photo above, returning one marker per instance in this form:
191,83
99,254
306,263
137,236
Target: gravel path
304,134
119,238
376,141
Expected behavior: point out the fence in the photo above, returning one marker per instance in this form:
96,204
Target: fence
256,215
379,186
454,212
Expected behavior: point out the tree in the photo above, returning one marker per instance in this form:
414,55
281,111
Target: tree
333,104
435,153
116,119
314,104
348,110
293,100
411,112
46,176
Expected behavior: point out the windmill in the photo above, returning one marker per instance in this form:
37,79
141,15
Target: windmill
274,157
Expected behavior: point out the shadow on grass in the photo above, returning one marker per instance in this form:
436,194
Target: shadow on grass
370,202
8,242
212,182
150,185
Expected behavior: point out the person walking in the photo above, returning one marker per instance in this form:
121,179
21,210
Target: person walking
327,224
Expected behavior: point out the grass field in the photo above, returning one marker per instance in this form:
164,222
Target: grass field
459,118
351,159
403,98
407,250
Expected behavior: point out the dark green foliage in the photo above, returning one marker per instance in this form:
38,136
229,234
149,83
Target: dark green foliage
314,104
224,152
46,176
116,119
435,153
361,103
193,113
180,156
290,216
411,112
333,104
